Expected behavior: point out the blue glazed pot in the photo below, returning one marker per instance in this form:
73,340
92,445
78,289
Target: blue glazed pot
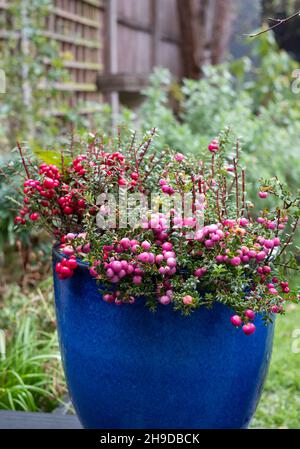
129,368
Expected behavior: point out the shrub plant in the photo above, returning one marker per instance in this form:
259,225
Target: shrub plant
195,243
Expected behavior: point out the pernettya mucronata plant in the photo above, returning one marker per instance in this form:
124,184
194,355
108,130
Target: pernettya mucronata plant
165,228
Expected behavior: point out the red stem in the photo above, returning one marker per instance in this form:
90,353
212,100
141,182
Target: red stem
23,160
243,191
236,187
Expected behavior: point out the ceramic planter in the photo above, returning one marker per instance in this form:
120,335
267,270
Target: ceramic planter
129,368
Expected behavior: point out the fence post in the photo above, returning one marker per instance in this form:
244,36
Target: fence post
112,63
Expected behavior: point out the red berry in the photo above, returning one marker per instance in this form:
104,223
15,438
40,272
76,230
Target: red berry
49,183
34,216
68,210
18,220
66,272
72,263
122,182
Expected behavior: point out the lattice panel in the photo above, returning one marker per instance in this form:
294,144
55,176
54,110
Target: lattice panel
78,27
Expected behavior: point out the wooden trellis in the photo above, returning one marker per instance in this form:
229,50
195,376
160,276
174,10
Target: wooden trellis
111,46
78,28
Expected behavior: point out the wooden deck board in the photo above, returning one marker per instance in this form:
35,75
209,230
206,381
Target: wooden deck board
26,420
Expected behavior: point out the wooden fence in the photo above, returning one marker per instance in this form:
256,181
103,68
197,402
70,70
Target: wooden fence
113,45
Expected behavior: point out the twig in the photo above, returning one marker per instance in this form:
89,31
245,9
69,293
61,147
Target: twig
236,177
243,192
290,237
23,160
224,196
277,24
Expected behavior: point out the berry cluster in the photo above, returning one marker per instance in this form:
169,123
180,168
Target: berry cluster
65,268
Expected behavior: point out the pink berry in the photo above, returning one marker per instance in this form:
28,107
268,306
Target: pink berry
269,244
137,280
275,309
143,257
130,269
93,272
146,245
213,146
251,254
235,261
159,258
168,254
179,157
108,298
116,266
165,188
115,279
187,300
276,241
110,273
125,242
261,256
236,320
267,269
244,222
250,314
171,262
122,274
200,272
263,194
165,300
249,328
167,246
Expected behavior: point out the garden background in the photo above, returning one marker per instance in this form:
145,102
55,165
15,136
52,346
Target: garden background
185,67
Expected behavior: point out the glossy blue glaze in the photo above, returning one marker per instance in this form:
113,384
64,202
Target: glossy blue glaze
129,368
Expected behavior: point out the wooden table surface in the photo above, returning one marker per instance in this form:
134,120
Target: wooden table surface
26,420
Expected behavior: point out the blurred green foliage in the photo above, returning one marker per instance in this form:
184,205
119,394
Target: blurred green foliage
280,403
256,101
31,377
